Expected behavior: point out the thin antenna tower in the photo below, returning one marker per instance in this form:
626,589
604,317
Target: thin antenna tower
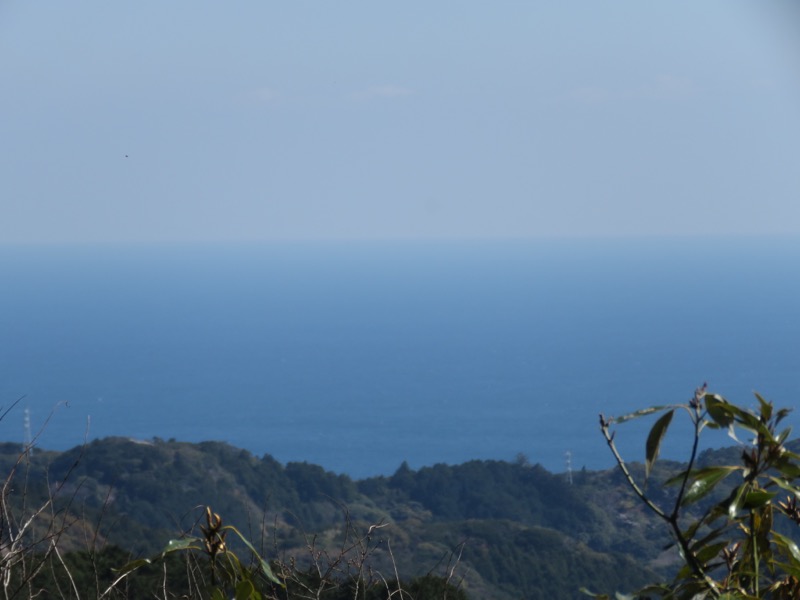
26,421
569,467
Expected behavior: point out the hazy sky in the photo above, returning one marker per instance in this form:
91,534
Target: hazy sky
195,120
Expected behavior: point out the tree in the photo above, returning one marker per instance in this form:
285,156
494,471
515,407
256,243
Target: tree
732,547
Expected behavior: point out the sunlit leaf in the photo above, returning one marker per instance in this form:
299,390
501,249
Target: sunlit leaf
188,543
132,566
787,544
786,486
642,413
738,500
676,479
720,410
653,446
704,482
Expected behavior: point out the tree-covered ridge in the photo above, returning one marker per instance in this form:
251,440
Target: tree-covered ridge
517,528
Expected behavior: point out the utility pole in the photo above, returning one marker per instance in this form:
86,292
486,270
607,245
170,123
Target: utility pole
569,467
26,423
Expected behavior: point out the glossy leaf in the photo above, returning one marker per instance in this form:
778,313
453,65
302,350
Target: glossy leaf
676,479
787,544
737,503
758,498
654,440
720,410
188,543
704,482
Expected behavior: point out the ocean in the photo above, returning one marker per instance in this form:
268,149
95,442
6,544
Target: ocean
358,356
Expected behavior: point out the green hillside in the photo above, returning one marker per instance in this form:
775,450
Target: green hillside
500,530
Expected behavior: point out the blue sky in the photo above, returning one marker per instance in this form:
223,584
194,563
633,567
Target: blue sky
209,121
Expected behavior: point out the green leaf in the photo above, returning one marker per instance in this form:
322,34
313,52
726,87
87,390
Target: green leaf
720,410
787,467
738,500
792,569
783,435
785,485
752,423
642,413
704,482
708,538
265,568
217,594
676,479
788,545
245,591
132,566
757,498
188,543
653,446
709,552
766,407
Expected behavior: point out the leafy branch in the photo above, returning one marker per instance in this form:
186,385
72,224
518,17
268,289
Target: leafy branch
733,549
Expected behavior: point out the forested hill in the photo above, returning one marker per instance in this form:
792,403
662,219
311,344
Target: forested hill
511,530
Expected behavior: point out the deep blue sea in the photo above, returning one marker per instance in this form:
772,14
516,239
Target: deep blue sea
358,356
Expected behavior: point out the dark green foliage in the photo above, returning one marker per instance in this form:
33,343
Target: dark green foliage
536,562
313,483
724,518
516,526
498,490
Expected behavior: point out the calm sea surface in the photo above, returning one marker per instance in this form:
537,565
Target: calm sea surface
359,356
